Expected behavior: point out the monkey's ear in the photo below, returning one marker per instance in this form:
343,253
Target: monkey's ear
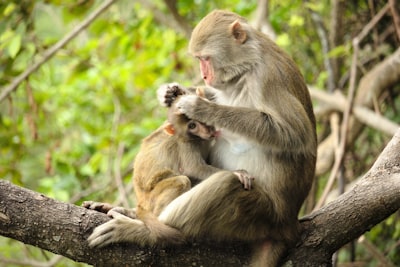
169,129
238,32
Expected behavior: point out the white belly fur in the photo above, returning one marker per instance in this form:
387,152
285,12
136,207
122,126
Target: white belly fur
233,152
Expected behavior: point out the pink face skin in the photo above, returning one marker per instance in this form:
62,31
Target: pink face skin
206,70
202,130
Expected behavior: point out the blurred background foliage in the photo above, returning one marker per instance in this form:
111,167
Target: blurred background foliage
72,129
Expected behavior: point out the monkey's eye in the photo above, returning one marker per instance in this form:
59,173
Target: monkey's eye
203,58
191,125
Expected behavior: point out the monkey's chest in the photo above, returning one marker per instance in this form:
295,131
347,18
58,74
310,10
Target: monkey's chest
237,153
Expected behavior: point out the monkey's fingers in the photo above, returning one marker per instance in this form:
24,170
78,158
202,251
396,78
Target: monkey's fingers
187,104
119,229
245,178
109,232
98,206
102,235
167,93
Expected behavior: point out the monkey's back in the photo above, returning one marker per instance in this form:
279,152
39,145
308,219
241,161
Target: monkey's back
156,161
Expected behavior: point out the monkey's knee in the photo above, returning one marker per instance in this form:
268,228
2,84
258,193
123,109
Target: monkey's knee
183,182
174,185
167,190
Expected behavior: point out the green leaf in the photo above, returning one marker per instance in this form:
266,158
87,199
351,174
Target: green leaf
339,51
283,40
9,9
296,21
14,46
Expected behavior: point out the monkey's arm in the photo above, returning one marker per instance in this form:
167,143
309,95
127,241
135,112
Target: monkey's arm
283,130
197,167
193,163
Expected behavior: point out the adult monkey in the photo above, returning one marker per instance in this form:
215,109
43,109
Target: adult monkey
268,128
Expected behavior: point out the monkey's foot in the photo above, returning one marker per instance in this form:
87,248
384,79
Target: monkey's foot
119,229
131,213
97,206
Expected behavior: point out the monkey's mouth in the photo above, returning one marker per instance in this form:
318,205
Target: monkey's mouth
215,133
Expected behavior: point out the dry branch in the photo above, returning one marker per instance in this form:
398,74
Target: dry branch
338,102
371,86
62,228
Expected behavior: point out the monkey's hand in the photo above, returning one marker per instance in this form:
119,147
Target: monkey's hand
167,93
245,178
188,105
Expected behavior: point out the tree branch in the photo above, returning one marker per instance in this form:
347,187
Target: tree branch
372,84
173,20
62,228
261,21
52,50
338,102
183,24
371,200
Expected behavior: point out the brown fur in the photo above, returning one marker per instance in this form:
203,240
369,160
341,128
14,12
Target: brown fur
263,107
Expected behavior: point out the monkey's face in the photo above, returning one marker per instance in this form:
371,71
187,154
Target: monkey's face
224,46
198,129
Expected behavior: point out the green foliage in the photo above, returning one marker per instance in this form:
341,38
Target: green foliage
61,131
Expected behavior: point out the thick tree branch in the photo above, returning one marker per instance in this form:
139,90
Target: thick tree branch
62,228
371,200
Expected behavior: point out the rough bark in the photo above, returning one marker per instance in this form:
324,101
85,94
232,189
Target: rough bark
371,200
62,228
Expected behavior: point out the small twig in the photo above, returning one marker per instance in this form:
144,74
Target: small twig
261,21
323,37
183,24
347,113
396,17
115,161
52,50
337,101
336,34
377,254
370,25
123,198
165,18
339,155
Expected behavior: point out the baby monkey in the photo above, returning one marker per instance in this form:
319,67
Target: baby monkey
169,162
